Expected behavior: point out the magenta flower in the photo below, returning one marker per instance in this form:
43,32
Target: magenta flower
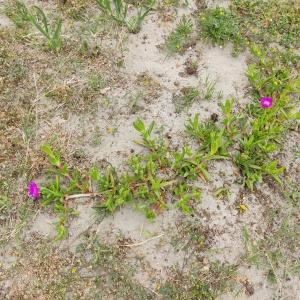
33,191
266,102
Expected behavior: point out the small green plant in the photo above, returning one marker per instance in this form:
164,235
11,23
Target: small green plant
118,11
188,95
41,22
220,26
5,205
213,140
135,100
96,82
271,70
209,88
18,12
179,38
223,192
37,18
191,66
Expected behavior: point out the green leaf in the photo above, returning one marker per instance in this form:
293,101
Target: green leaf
53,157
139,125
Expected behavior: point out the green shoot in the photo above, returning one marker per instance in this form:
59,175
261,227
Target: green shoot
118,11
179,38
41,22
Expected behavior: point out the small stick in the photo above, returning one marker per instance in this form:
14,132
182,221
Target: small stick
142,228
143,242
87,195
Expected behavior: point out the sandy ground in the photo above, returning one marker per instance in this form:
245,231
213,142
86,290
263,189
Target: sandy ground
142,55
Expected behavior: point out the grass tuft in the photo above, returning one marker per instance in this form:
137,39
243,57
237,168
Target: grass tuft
179,39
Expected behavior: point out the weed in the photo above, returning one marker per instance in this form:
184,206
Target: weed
292,193
256,137
263,138
96,82
271,70
191,67
118,11
187,96
38,19
18,13
208,92
212,140
134,102
200,282
152,178
223,192
179,38
41,22
96,139
5,206
220,26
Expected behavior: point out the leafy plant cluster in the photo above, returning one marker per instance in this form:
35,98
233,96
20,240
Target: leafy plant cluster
271,70
251,139
151,180
162,173
180,37
220,26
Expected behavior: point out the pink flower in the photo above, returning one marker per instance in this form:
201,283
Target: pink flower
33,191
266,102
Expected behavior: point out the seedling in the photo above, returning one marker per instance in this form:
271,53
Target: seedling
223,192
179,38
41,22
209,88
187,96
